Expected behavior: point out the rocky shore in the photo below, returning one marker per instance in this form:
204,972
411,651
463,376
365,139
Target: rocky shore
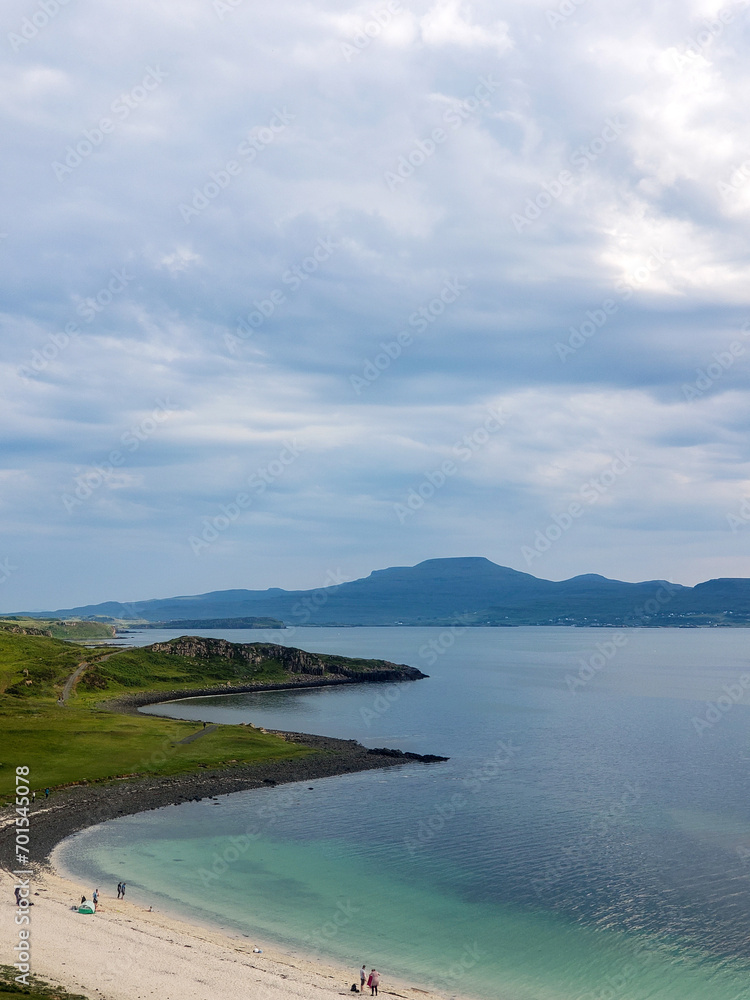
77,807
130,703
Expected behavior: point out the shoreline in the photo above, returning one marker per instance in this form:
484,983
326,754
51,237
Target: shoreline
128,704
77,807
128,953
55,820
125,952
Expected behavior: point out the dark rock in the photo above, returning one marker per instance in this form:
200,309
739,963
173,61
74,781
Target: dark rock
424,758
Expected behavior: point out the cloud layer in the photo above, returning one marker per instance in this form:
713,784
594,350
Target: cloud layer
337,260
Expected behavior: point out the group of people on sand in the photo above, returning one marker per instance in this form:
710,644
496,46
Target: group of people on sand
95,897
373,981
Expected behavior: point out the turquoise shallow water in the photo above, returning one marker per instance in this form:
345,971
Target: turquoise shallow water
582,842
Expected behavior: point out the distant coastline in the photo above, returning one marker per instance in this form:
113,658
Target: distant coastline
453,592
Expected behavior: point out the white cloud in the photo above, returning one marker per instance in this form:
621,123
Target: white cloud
449,22
323,176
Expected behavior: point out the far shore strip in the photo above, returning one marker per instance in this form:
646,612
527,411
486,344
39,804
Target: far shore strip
125,952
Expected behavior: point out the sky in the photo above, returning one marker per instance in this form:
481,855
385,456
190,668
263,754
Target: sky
297,291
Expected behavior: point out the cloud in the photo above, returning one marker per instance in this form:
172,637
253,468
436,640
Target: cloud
583,180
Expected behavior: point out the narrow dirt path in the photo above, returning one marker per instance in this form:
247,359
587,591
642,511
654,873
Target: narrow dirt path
68,686
71,682
197,736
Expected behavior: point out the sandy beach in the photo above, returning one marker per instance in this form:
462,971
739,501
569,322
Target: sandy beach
124,952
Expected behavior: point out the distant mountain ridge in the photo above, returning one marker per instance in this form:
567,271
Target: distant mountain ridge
468,590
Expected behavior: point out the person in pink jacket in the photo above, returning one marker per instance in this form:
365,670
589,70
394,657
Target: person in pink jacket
373,982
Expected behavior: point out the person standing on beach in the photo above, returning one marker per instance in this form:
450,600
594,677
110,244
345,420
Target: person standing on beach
119,889
374,982
362,978
18,896
122,890
95,897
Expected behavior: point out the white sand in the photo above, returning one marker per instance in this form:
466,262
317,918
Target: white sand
124,952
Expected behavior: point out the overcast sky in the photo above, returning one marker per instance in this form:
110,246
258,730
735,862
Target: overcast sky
295,289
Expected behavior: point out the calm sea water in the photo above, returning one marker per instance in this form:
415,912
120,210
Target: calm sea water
588,839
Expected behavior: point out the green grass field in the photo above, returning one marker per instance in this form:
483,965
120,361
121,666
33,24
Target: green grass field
60,629
78,741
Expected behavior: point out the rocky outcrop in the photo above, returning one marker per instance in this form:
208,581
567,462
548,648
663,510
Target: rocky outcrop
423,758
294,661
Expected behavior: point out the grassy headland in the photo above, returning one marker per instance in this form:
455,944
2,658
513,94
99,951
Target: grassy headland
81,740
57,627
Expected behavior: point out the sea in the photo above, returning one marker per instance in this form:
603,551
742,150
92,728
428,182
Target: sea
588,839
